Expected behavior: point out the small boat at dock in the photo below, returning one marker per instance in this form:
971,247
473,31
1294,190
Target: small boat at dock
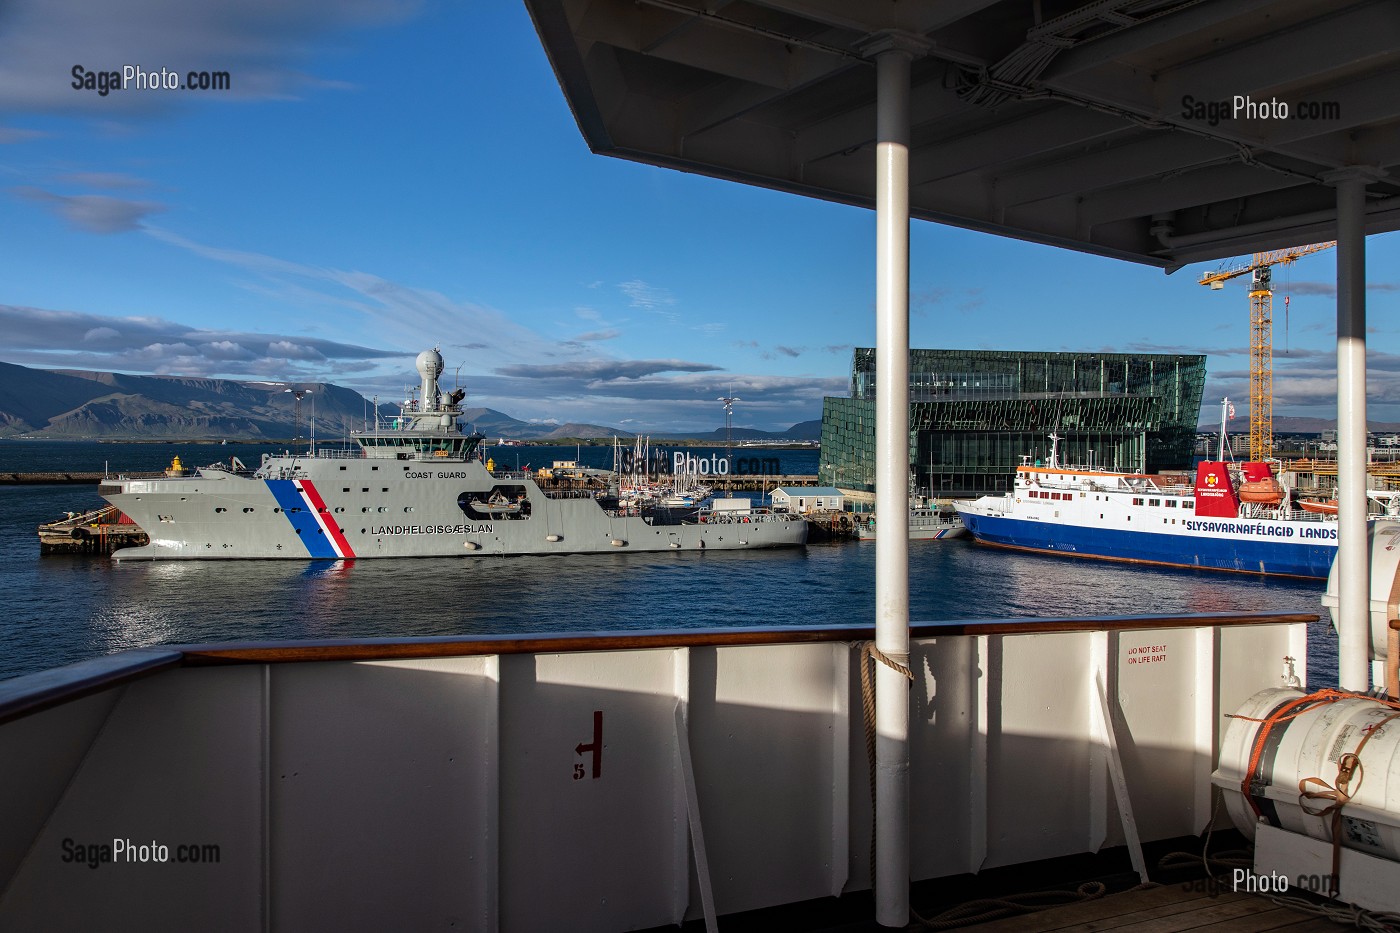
925,524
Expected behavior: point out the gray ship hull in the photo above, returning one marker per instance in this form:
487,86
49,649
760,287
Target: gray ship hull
338,507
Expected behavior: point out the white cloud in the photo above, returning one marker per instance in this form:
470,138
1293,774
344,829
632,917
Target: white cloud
14,134
647,297
76,340
114,181
400,308
96,213
263,46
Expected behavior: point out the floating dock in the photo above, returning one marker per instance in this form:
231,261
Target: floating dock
100,531
41,479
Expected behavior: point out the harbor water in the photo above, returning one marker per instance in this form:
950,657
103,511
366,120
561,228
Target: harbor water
63,608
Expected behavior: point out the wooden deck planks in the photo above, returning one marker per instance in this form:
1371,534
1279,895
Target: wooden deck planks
1104,913
1166,909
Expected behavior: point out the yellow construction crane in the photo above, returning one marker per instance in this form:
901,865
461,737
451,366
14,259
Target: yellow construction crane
1261,338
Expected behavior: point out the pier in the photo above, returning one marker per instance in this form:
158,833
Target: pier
599,479
39,479
759,483
100,531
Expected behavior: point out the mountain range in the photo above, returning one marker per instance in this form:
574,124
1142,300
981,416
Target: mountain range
75,404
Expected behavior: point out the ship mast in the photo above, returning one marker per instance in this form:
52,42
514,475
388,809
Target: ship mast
1224,416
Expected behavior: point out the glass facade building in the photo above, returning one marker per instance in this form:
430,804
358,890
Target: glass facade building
974,414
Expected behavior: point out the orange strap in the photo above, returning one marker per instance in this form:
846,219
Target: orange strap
1348,768
1290,710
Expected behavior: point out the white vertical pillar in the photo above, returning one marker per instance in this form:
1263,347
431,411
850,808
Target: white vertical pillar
892,59
1353,557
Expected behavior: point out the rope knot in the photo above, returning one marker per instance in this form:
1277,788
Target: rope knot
888,661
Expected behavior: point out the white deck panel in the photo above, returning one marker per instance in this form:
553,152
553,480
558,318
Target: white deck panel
381,794
461,792
177,761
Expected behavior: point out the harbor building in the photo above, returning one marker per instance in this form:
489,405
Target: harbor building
973,415
801,499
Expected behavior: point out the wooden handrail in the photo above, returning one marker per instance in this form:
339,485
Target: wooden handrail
33,692
439,646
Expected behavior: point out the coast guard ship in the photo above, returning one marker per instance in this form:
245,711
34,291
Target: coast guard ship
412,487
1223,522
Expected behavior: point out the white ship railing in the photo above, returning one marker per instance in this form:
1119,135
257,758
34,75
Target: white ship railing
577,781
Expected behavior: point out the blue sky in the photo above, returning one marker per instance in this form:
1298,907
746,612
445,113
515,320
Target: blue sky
385,176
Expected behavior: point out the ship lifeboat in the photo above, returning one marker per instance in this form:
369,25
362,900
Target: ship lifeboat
1259,485
497,505
1263,492
1318,507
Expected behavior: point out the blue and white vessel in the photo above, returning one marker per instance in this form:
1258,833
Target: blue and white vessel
1235,518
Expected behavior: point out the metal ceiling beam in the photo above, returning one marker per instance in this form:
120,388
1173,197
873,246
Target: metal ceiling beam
730,101
1137,96
1159,195
1150,154
871,16
1132,41
1372,99
853,128
1047,129
1284,231
1319,47
744,56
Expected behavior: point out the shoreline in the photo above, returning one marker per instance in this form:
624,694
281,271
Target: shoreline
534,442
